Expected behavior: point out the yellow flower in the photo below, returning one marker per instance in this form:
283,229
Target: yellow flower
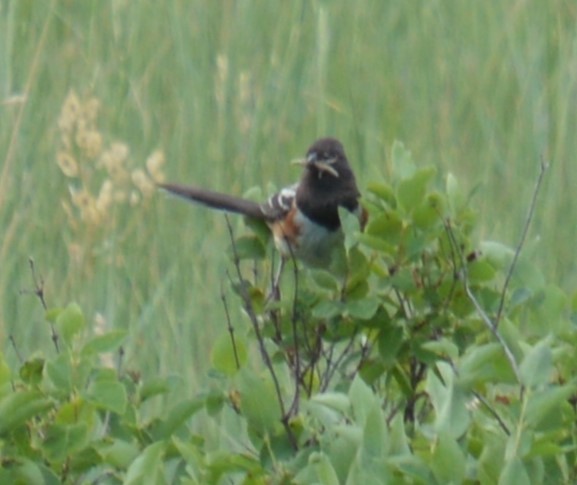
134,198
67,164
143,182
70,112
82,199
112,162
119,152
91,109
104,200
92,143
154,165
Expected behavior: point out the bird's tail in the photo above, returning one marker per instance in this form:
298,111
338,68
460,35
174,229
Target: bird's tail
216,200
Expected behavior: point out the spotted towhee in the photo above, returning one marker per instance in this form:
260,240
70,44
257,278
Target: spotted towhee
303,218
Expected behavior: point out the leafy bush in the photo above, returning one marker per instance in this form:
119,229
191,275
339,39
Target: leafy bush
423,356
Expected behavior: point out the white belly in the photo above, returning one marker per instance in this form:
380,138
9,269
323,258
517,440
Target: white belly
315,243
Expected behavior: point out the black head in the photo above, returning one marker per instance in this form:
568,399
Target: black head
327,183
326,158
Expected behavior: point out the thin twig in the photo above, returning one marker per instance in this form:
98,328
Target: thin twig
492,411
543,168
38,282
229,326
481,312
483,401
294,321
120,360
15,347
329,373
254,320
38,292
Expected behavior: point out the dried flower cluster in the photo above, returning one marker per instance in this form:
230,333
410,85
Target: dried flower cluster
101,176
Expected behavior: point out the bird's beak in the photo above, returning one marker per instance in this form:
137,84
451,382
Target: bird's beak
321,165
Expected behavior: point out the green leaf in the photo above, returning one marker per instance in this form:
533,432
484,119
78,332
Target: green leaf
5,376
189,450
537,366
364,308
480,271
118,453
324,279
390,340
31,371
483,363
403,166
411,466
496,253
514,473
376,243
545,401
399,440
147,467
442,347
259,227
109,342
325,471
176,417
106,392
52,314
335,400
247,247
224,354
448,461
375,437
214,400
491,459
70,322
61,441
362,400
450,402
429,213
351,227
19,407
342,447
156,386
328,309
455,196
411,191
387,226
22,471
382,191
259,402
59,372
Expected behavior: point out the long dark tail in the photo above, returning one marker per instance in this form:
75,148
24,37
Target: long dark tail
216,200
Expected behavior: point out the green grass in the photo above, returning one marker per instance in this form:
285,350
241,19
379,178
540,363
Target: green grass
231,92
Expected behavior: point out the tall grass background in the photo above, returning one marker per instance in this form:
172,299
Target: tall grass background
231,91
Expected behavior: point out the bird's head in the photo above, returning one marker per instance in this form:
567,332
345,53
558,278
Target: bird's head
325,156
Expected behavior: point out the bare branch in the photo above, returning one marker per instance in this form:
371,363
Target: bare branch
480,311
38,292
493,412
229,326
543,168
15,347
262,347
294,321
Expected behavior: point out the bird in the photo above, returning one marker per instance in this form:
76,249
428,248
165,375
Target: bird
303,217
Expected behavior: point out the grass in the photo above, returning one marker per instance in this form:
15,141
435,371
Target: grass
230,92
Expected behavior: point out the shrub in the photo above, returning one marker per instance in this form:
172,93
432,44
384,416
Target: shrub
423,356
